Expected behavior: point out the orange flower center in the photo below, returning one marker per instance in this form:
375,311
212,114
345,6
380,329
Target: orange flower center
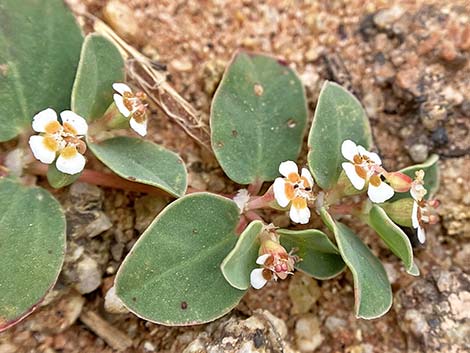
69,152
52,127
50,143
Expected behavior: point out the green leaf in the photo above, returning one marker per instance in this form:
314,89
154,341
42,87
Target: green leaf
32,248
57,179
258,117
239,263
172,274
100,66
400,211
320,257
338,116
373,293
431,177
143,162
39,52
392,235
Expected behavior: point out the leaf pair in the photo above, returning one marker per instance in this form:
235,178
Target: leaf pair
178,273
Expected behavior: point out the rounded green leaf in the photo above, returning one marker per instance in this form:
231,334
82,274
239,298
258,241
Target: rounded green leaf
143,162
57,179
258,117
32,248
431,177
392,235
338,116
172,274
39,52
101,65
239,263
373,293
320,257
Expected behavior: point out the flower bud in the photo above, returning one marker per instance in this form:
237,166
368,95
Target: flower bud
400,211
398,181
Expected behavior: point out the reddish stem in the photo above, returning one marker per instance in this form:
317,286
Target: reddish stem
254,188
107,180
242,223
260,201
253,216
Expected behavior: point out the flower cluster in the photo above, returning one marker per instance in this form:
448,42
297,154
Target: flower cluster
60,142
276,262
422,211
294,189
132,106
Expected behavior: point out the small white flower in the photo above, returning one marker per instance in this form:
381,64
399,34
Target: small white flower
422,209
59,139
276,262
241,199
365,168
294,189
132,106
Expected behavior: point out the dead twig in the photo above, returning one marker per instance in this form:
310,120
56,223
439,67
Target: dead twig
115,338
154,84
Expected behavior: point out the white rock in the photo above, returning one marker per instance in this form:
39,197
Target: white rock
89,275
114,305
307,332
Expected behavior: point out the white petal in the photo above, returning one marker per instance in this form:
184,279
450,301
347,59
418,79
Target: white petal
299,215
306,174
414,215
421,235
40,151
121,88
77,122
355,179
256,278
373,156
288,167
262,259
119,101
349,150
70,165
140,128
381,193
280,192
41,119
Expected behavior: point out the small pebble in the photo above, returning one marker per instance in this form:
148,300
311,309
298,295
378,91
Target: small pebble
89,275
419,152
385,18
112,303
307,333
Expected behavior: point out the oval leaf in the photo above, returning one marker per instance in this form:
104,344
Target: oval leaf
100,66
320,257
172,274
32,247
143,162
431,177
392,235
239,263
57,179
373,293
258,117
338,116
39,52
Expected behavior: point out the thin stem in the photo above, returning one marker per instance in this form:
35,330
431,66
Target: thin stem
255,187
102,179
260,201
242,223
253,216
